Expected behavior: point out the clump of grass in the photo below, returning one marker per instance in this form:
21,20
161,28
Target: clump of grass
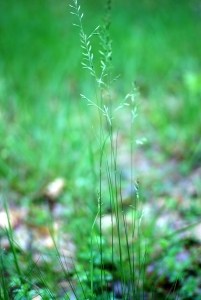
124,242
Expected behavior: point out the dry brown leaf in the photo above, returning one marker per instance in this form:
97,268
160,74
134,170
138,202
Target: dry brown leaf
54,188
15,217
42,235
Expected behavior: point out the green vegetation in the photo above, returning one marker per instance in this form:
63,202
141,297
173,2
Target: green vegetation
102,205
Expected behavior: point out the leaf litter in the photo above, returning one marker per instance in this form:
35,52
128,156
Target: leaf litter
170,196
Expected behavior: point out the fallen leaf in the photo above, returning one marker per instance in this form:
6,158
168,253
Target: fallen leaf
54,189
15,217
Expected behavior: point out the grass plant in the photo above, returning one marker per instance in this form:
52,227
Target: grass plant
47,131
108,152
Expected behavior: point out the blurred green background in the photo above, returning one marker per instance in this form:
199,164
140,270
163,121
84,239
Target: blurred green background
155,44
